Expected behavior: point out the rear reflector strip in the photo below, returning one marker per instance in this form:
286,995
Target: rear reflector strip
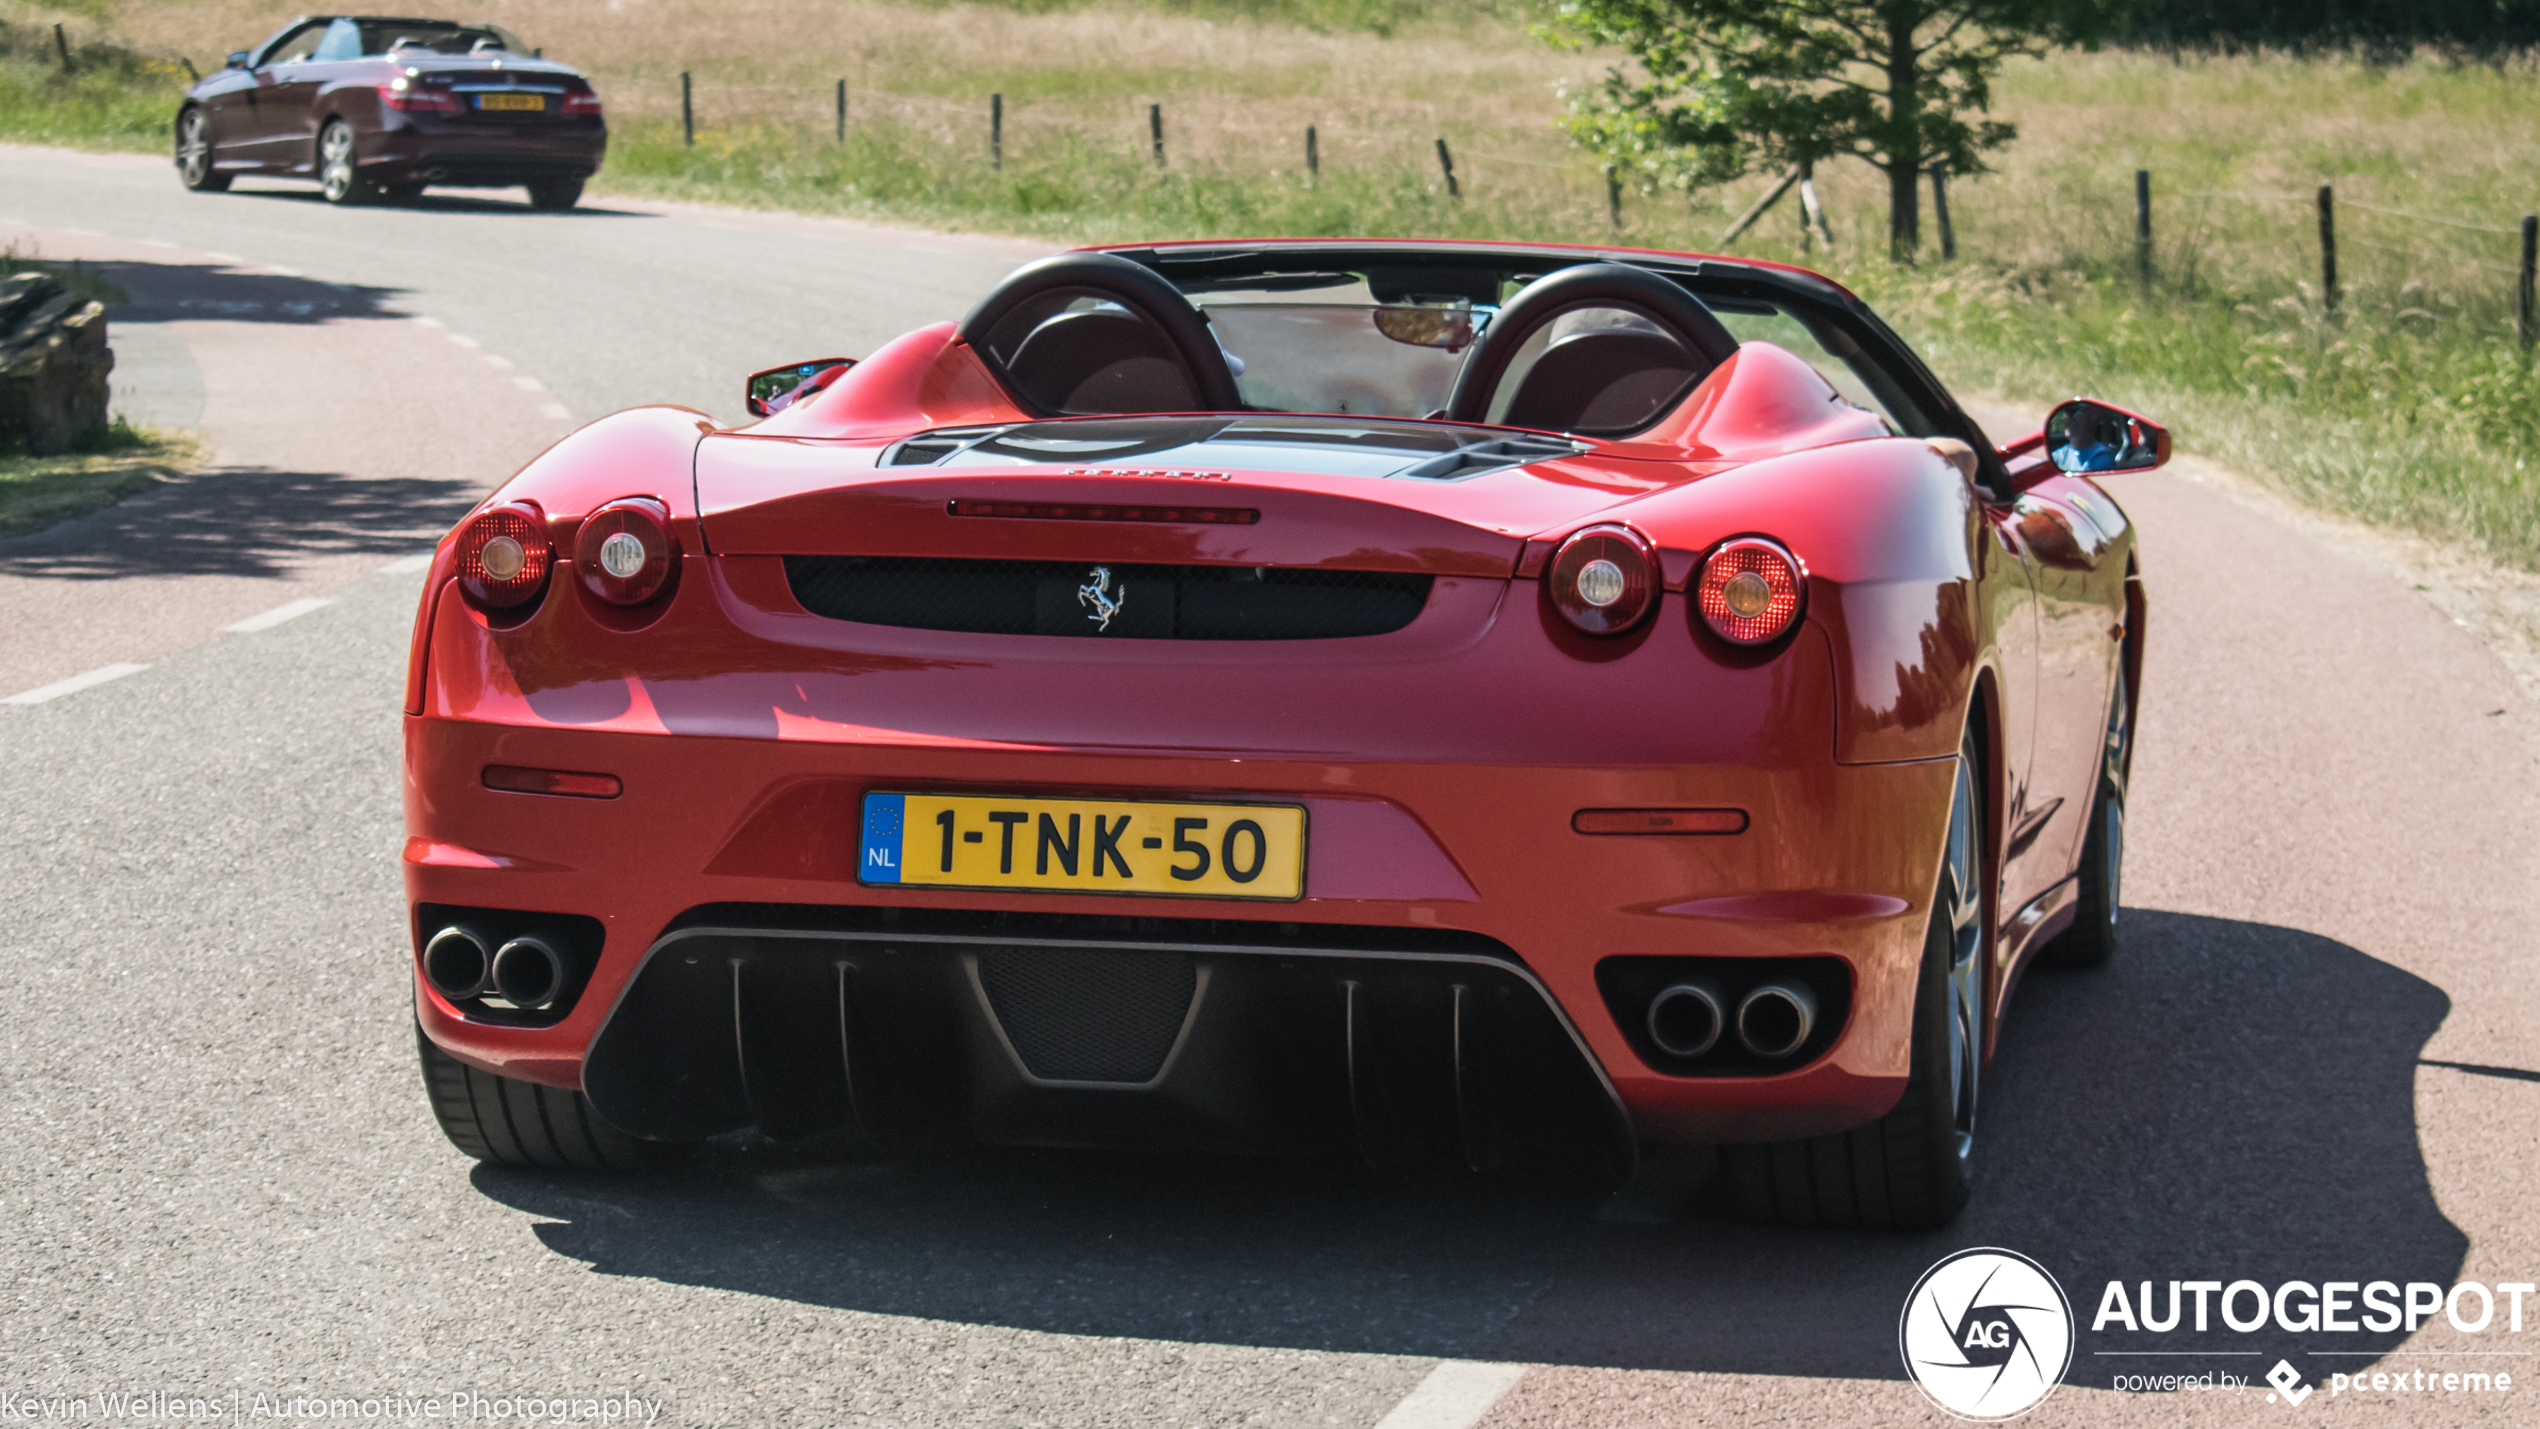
1659,821
1072,511
550,781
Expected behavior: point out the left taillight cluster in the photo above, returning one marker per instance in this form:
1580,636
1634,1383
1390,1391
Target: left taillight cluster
623,553
405,94
1605,579
582,102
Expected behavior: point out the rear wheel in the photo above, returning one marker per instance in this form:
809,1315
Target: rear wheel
503,1121
339,175
2092,939
1910,1169
194,153
555,195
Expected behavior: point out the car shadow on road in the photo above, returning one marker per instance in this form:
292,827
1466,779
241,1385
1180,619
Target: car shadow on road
242,521
199,292
2229,1101
447,202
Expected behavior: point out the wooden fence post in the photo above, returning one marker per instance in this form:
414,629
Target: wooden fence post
1313,157
687,111
842,111
1446,165
191,72
1614,197
1155,131
1940,212
2524,327
2328,248
62,43
996,131
2143,227
1757,210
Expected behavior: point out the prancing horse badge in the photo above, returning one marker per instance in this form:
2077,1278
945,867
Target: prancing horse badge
1101,598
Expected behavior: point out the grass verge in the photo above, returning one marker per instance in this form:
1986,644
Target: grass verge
38,491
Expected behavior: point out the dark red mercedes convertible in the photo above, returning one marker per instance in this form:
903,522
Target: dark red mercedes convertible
372,105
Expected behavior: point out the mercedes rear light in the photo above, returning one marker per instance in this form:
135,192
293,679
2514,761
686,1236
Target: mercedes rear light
405,93
625,554
1603,579
1751,591
503,557
582,102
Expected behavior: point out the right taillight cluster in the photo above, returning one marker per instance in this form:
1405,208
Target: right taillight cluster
623,552
1605,579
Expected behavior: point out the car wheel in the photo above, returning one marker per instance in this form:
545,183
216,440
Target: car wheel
339,178
503,1121
2092,939
555,195
194,153
1910,1169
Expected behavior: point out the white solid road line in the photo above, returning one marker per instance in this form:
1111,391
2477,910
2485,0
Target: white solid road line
73,685
400,566
279,614
1454,1396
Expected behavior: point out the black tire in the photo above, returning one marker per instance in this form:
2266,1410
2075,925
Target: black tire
194,154
2092,939
1912,1168
555,195
502,1121
339,172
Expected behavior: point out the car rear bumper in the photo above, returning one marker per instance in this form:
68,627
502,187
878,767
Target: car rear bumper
1454,898
448,153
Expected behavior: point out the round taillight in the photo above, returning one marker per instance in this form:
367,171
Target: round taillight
625,554
1751,591
503,557
1603,579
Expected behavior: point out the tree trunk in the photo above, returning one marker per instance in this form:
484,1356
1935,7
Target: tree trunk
1904,161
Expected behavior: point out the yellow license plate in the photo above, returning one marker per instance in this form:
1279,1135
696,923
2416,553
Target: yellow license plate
511,101
1085,845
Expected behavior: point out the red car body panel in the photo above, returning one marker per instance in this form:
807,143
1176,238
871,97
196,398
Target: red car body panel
1441,763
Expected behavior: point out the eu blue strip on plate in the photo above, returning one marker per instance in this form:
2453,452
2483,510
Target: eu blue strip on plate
882,814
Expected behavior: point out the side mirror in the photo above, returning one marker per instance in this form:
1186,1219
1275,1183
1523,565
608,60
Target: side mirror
238,59
778,388
2084,437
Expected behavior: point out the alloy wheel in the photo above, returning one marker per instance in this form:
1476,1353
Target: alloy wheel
1962,902
336,175
194,149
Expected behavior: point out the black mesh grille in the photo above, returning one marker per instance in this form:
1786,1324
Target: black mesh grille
1089,1015
1142,602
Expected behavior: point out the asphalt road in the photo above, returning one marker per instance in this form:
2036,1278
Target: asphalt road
2314,1059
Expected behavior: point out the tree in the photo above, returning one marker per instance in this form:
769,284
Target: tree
1718,85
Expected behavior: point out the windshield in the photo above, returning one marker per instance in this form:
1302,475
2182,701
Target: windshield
1361,359
380,37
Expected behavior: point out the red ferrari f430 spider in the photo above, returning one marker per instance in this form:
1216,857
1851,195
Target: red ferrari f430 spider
1402,700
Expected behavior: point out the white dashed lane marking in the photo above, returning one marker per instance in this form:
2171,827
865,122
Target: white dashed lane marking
529,384
73,685
280,613
555,410
1454,1396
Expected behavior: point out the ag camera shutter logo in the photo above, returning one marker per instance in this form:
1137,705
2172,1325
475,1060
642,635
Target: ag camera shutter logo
1986,1335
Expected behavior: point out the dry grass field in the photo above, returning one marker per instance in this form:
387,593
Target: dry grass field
2410,405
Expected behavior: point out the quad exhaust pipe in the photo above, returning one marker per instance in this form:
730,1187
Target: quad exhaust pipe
528,972
1687,1018
1775,1019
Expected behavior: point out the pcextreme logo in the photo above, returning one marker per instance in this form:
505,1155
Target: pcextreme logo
1986,1335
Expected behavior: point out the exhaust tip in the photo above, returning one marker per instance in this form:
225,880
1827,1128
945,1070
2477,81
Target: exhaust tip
1774,1020
457,963
529,972
1686,1019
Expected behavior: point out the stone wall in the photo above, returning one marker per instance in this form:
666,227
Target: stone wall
53,365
